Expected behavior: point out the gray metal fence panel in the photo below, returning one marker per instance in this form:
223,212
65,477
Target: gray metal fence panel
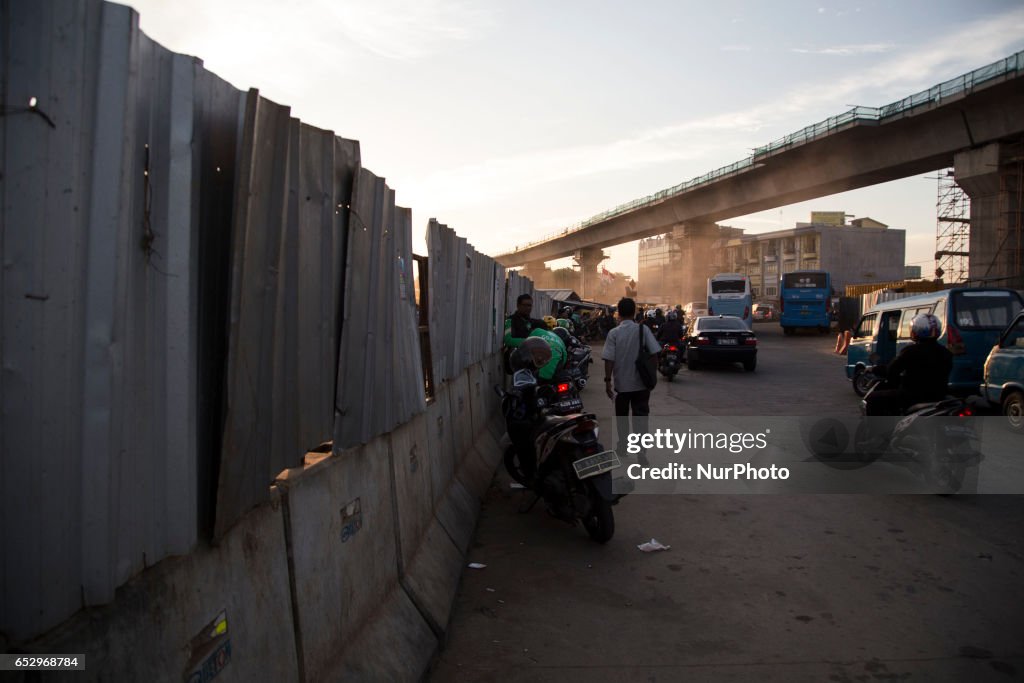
410,380
352,365
383,393
219,112
439,251
41,325
498,307
99,295
320,235
462,308
246,454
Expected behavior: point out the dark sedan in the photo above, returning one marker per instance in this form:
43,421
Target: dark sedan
722,338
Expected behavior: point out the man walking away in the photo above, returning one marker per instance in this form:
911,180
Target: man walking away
621,349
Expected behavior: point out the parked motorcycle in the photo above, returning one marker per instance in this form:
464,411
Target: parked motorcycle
927,438
669,363
570,470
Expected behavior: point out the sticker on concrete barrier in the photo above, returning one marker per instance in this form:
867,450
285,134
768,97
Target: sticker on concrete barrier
351,520
210,651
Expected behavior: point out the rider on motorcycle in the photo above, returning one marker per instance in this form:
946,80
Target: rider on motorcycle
920,369
546,373
651,320
672,331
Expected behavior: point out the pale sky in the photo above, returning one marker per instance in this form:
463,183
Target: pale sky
510,121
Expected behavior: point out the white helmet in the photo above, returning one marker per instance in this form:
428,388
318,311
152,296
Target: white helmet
925,326
652,314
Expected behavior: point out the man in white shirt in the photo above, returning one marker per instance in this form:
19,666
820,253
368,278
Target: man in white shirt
621,349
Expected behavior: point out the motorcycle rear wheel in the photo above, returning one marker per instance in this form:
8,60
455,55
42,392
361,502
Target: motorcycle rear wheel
862,382
600,519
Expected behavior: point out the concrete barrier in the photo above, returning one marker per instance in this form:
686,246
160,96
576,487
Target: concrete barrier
350,573
163,624
440,448
454,506
411,467
429,561
457,513
343,525
488,451
461,417
480,396
494,373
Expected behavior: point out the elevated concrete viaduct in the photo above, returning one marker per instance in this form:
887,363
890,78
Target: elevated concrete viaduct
977,130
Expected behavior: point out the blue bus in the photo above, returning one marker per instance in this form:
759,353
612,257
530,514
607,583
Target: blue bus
805,299
729,294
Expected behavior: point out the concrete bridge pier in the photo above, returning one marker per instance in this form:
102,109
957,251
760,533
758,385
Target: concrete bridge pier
695,239
992,177
535,270
588,259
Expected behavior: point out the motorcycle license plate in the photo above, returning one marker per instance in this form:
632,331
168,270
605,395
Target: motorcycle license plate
569,405
593,465
727,342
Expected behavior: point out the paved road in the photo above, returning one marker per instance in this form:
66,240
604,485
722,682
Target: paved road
784,588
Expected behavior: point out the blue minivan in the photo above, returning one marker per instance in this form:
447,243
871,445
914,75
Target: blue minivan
972,321
1004,374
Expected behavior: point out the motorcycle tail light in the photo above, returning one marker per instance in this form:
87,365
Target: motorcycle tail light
563,388
672,348
965,412
585,426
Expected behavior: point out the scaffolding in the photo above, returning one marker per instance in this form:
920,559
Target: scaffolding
953,230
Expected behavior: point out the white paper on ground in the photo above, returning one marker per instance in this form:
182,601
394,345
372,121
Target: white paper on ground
652,545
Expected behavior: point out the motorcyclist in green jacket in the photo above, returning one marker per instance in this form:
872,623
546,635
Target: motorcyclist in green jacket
558,354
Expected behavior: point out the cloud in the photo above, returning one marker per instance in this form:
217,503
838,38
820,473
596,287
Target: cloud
735,48
408,31
846,50
702,140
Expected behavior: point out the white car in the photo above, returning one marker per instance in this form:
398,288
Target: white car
694,310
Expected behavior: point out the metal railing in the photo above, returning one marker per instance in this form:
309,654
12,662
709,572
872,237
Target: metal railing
964,83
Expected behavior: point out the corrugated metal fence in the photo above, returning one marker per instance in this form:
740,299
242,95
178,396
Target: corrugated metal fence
197,289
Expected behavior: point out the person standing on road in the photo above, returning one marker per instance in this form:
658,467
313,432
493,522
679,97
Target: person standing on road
621,349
